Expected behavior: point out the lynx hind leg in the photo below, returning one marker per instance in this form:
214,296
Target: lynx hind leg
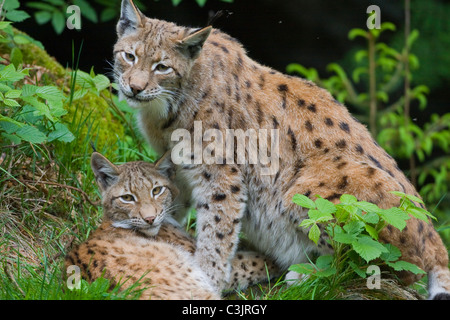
249,268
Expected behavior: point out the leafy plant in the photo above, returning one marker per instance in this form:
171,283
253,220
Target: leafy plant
90,82
9,10
55,11
379,90
352,228
30,113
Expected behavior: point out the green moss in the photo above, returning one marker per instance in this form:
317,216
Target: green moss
89,118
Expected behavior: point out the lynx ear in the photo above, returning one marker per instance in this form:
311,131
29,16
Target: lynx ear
165,166
130,18
105,172
193,43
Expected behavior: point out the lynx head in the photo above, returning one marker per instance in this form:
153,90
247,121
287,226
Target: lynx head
152,57
135,195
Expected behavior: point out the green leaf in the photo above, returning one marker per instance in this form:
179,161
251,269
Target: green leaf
9,73
57,2
344,238
387,26
324,262
319,216
367,206
17,15
13,94
395,217
371,218
368,248
85,80
42,6
41,108
342,214
86,10
303,201
16,57
21,39
61,133
310,74
348,199
393,253
314,233
12,138
325,206
4,24
31,134
4,88
371,231
176,2
354,227
405,266
58,22
307,223
413,36
360,272
108,14
42,17
326,272
302,268
78,94
49,92
357,33
11,103
408,196
28,90
201,3
101,82
10,5
10,125
419,213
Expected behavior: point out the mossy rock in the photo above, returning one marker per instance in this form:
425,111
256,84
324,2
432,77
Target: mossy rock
89,117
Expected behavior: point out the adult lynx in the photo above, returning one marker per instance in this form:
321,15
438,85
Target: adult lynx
178,75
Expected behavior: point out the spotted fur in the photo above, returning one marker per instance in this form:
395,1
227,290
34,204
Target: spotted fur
139,240
323,149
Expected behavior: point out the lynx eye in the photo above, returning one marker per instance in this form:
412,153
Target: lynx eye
127,198
161,68
156,191
128,57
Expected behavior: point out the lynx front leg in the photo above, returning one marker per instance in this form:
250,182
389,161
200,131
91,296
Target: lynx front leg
220,200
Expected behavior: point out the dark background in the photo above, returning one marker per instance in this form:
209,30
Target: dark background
275,33
313,33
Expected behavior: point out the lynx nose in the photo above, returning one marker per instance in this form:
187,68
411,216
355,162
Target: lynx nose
136,88
150,219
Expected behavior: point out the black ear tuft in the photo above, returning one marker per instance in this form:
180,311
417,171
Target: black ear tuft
193,43
106,174
130,18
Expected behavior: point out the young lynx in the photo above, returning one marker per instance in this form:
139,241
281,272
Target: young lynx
177,76
138,238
